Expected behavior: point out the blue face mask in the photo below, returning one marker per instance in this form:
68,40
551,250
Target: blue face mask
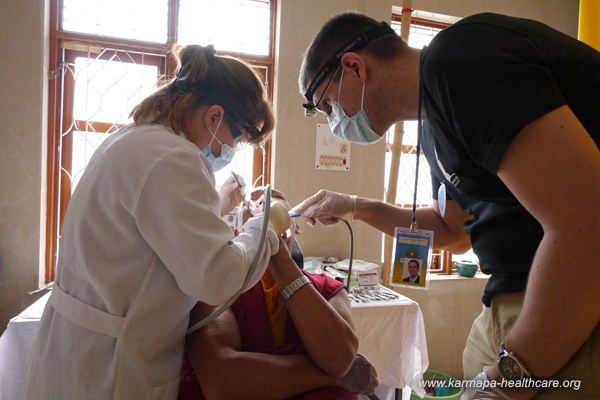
217,163
355,129
227,152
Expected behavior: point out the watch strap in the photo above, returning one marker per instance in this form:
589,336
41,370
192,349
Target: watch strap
294,286
506,353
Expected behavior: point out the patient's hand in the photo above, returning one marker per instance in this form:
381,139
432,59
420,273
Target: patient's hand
362,377
283,256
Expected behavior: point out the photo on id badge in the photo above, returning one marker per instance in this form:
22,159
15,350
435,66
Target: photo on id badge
411,255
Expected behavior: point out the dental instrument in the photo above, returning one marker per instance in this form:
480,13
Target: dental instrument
215,313
238,179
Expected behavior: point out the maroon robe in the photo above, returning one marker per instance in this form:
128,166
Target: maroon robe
250,310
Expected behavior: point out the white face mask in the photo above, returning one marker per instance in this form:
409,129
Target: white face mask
355,129
227,152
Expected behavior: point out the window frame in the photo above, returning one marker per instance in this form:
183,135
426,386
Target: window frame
58,190
441,259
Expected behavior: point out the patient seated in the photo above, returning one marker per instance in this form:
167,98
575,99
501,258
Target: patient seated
263,347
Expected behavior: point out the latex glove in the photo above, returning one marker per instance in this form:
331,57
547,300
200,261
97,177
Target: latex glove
484,389
249,240
230,194
362,377
328,207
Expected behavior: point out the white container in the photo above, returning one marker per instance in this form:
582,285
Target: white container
364,273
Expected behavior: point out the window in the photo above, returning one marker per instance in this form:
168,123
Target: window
250,17
424,26
421,33
113,18
107,55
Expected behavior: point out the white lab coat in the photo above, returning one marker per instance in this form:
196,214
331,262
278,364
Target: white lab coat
142,243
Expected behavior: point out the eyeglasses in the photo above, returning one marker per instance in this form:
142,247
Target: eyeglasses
236,132
238,136
234,118
358,41
310,109
235,121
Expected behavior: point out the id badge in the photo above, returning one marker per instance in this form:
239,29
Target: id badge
412,257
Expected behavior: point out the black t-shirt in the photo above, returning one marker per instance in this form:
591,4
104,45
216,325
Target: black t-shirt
483,79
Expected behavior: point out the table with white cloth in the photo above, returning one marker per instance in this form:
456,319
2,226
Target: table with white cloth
391,334
15,346
392,337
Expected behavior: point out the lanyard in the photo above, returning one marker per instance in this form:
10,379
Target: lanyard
413,224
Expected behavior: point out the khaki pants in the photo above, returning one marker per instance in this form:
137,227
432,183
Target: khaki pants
490,327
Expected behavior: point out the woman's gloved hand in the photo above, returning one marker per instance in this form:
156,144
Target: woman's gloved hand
249,240
254,226
328,207
362,377
230,194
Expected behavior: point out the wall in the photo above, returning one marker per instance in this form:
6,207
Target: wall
23,28
23,103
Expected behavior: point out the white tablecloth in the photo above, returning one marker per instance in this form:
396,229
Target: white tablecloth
391,334
15,345
392,337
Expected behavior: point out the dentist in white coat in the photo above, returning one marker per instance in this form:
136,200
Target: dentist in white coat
143,240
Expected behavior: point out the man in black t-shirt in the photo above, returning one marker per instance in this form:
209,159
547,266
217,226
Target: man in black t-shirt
511,131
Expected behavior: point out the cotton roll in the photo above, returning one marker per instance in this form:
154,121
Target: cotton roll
280,218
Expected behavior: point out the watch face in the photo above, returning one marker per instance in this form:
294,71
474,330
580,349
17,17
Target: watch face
510,368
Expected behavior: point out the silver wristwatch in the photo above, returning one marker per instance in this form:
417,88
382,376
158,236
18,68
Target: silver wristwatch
511,368
296,284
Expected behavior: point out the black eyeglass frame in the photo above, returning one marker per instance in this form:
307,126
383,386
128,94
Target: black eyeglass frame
358,41
233,117
316,105
236,132
235,120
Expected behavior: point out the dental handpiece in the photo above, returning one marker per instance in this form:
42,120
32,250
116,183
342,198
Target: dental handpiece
250,272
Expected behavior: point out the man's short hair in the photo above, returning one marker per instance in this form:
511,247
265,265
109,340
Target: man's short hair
336,33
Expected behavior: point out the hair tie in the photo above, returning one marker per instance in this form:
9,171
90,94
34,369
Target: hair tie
209,52
182,71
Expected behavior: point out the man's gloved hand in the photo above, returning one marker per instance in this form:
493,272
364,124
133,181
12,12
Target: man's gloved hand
362,377
230,195
328,207
483,388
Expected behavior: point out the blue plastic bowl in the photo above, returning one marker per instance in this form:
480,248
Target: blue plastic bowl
443,393
466,268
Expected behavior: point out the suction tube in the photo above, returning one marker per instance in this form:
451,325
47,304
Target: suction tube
249,274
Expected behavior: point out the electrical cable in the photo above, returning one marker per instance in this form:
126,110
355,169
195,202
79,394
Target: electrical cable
351,253
370,396
265,226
